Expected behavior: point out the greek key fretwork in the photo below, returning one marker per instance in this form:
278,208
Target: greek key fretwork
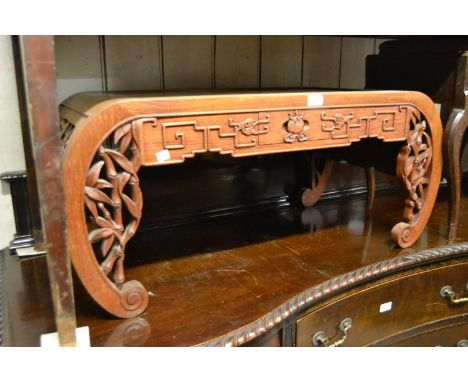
251,126
340,123
180,137
387,124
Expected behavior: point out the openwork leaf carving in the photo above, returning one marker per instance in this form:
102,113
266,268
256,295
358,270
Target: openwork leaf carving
97,195
121,160
112,186
416,157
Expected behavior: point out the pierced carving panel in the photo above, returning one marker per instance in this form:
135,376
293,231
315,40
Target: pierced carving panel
113,199
413,167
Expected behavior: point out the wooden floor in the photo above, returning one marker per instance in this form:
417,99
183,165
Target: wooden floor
213,276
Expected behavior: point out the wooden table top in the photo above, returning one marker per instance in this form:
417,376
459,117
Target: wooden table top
212,277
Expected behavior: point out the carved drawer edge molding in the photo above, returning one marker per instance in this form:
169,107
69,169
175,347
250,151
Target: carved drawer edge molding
331,287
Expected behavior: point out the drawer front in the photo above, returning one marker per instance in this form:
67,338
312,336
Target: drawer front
449,336
387,308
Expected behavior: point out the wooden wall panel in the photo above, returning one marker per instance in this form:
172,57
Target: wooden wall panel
353,61
322,61
133,62
281,61
202,62
78,65
379,41
188,62
237,62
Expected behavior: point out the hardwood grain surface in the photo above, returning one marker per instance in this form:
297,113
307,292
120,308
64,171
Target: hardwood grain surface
211,277
114,137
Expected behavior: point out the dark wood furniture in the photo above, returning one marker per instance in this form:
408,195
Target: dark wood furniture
416,303
270,281
438,67
20,200
108,137
251,279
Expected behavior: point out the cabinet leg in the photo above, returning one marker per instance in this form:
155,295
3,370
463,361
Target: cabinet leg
453,138
370,180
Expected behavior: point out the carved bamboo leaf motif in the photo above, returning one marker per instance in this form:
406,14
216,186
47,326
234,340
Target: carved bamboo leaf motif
97,195
106,245
112,186
104,223
93,173
120,133
125,142
99,234
121,160
414,166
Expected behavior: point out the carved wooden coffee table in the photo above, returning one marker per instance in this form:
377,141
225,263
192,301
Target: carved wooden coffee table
108,137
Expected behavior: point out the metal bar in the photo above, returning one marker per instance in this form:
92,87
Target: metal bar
38,61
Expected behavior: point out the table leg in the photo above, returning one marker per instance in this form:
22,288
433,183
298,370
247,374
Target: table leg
321,169
419,167
102,227
370,180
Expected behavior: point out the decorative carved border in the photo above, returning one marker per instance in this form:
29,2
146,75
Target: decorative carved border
331,287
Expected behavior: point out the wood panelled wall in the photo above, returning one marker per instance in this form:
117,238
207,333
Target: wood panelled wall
207,62
216,62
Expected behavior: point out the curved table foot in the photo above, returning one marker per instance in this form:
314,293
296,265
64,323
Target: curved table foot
107,216
370,180
321,169
419,167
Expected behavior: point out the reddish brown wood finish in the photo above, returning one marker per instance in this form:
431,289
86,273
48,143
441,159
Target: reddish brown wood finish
113,135
213,281
321,169
453,334
39,80
415,299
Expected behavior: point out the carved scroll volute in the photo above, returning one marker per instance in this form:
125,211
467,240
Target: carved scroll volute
111,209
415,168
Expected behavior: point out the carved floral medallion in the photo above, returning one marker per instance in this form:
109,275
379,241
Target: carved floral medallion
296,128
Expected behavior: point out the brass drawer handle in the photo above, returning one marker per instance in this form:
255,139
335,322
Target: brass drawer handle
448,293
321,339
460,344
